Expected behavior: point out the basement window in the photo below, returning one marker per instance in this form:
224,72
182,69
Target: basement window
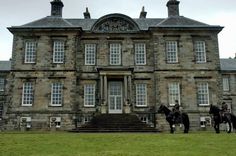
55,122
205,121
25,122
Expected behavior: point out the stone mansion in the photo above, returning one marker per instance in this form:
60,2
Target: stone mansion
64,71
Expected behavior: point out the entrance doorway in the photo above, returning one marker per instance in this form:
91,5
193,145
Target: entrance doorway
115,97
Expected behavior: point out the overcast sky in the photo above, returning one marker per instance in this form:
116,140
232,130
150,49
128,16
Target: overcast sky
214,12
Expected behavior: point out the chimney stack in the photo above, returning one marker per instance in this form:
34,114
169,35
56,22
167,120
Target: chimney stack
87,14
56,8
173,8
143,13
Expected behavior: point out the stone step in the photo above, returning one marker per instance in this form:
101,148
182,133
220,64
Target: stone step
115,123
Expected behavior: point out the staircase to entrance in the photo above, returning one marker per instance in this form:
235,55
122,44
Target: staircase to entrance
116,123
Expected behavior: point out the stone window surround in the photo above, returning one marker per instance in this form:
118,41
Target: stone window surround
88,94
90,53
203,92
30,51
56,94
172,51
58,51
226,84
27,94
140,54
115,52
173,93
141,91
200,51
2,84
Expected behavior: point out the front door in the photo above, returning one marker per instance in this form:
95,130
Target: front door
115,97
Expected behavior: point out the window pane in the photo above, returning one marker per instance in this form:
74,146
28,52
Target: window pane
2,84
141,94
90,54
58,51
203,94
89,95
140,54
27,94
30,52
200,52
225,84
171,51
56,95
115,54
174,93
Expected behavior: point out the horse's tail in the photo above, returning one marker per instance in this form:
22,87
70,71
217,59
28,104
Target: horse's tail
185,120
233,119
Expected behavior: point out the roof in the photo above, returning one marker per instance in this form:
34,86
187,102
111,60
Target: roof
5,65
228,64
87,24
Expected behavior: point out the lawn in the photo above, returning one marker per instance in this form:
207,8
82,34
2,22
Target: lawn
117,144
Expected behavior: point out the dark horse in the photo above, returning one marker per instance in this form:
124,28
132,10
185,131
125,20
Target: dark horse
218,118
172,120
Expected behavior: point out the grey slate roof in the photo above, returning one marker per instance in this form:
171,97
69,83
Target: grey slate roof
5,65
86,24
228,64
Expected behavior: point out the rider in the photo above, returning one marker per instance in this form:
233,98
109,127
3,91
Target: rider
224,107
176,111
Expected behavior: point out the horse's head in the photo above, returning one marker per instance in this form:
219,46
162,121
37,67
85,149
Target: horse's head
161,109
214,109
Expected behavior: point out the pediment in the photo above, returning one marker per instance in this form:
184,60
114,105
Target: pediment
115,23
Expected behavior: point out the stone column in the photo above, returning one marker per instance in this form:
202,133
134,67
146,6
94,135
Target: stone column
101,88
105,89
130,89
126,88
104,94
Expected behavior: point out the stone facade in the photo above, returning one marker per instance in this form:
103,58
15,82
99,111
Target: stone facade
115,78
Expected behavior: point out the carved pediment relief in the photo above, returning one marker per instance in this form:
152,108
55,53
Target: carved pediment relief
115,23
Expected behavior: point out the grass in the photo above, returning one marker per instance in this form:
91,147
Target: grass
117,144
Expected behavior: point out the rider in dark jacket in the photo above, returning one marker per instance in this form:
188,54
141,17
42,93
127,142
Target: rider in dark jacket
176,112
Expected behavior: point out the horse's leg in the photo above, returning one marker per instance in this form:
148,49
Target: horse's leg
185,121
217,128
171,128
228,124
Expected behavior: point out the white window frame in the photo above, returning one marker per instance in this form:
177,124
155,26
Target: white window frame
27,94
226,86
90,54
57,122
58,51
172,51
140,54
200,51
141,95
28,122
173,93
115,54
203,94
56,94
89,95
30,52
2,84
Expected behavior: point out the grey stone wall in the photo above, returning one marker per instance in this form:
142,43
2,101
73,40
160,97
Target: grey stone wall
74,74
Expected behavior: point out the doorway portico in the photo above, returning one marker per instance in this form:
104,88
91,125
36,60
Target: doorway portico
115,89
